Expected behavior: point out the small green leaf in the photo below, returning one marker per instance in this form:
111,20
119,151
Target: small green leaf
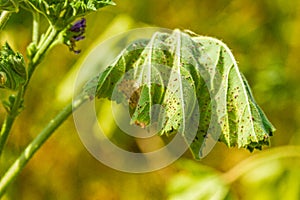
12,69
8,104
197,84
62,13
9,5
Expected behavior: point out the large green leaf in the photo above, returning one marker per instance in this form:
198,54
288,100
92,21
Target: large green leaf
197,84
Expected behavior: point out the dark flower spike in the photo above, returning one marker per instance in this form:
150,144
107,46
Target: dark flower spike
78,38
77,51
75,34
79,26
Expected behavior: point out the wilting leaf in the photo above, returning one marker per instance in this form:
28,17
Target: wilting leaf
200,90
242,122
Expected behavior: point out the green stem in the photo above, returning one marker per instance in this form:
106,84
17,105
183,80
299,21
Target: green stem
38,141
4,18
259,159
41,51
35,30
43,37
6,126
8,122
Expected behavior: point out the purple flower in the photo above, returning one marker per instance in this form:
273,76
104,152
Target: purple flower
78,38
77,51
79,26
75,34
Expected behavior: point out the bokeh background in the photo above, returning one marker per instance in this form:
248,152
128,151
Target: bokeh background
264,37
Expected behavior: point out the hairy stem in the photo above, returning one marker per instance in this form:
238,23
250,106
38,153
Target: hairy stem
38,141
4,18
261,158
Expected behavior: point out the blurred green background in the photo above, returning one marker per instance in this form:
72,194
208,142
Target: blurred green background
264,37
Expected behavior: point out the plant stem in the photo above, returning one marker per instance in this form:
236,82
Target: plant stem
38,141
44,36
259,159
36,25
4,18
8,122
41,51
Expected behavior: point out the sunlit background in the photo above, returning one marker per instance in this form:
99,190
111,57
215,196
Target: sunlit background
264,37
